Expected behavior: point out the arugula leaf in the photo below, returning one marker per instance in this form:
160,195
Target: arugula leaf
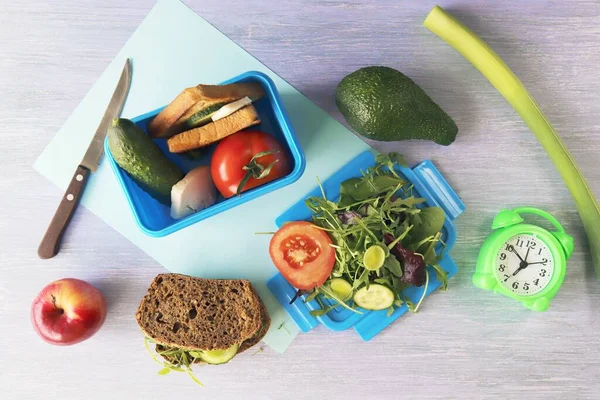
427,250
389,160
320,312
377,205
346,189
358,189
441,276
424,291
383,281
397,159
427,223
408,202
191,375
391,157
311,296
410,305
392,264
179,357
429,256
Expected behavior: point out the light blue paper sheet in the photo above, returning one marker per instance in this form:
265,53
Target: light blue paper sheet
226,245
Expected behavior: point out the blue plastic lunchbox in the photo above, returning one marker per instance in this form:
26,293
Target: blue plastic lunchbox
154,218
429,184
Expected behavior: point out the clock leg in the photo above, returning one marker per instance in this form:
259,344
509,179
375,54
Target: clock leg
540,304
484,281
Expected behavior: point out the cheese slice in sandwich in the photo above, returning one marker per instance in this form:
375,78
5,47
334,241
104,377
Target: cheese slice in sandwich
195,320
214,131
194,107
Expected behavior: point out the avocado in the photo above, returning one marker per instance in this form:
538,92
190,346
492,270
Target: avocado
383,104
142,159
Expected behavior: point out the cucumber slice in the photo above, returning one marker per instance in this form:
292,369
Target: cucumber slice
341,288
374,257
376,297
216,357
202,117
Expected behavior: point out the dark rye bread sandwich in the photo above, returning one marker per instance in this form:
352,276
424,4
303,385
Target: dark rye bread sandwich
194,320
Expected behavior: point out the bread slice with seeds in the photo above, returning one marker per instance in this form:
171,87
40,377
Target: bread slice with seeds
184,312
266,324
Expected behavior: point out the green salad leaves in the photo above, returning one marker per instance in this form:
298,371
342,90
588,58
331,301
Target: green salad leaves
174,359
379,209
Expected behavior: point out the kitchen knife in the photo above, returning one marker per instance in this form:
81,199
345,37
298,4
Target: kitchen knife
50,244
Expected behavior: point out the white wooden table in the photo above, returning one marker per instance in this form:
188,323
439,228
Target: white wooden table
464,343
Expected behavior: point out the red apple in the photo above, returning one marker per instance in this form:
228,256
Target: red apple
68,311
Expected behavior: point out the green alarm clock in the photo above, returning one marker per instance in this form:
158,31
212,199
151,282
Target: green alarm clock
523,261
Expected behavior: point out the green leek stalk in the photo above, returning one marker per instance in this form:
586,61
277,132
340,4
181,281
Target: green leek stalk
495,70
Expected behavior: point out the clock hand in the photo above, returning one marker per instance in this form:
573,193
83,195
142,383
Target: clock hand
512,248
523,264
538,262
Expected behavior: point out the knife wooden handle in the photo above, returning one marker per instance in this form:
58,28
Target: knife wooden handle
51,242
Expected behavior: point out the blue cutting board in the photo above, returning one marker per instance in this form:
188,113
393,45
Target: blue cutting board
226,245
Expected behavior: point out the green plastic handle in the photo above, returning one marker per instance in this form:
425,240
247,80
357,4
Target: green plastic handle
540,213
495,70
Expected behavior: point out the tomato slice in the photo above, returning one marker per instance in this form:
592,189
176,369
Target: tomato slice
303,255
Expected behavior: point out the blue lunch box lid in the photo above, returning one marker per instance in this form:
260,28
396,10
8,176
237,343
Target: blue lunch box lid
428,184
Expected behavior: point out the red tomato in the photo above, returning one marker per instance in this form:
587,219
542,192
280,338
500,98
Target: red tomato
237,151
303,255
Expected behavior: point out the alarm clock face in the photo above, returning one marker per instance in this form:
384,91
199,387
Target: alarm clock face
524,265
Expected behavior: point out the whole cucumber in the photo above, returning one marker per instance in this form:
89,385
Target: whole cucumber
142,159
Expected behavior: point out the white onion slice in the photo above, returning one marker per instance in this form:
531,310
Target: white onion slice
230,108
193,193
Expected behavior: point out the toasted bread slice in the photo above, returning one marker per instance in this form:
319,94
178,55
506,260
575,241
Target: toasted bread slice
199,314
187,98
215,131
195,99
194,117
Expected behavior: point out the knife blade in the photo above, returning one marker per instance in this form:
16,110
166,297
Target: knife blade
50,245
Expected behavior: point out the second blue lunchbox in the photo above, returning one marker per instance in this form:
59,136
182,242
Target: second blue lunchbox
428,184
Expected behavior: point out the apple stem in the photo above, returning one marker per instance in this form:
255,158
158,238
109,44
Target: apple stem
53,299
